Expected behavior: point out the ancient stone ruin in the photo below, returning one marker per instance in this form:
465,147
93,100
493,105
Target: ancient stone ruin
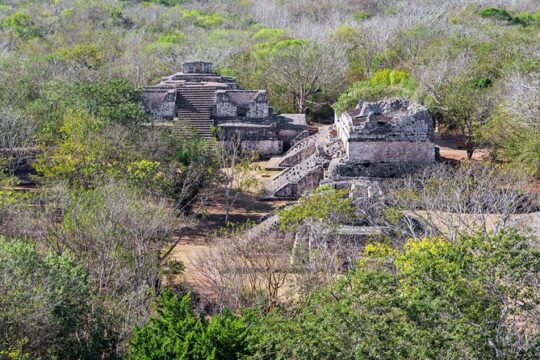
384,139
375,140
213,105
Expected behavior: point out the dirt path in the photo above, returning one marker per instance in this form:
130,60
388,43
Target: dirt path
461,155
210,218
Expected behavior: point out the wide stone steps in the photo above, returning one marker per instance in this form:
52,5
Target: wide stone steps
196,106
185,129
305,148
288,183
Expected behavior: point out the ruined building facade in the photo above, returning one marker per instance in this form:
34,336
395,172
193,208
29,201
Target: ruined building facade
384,139
373,141
214,105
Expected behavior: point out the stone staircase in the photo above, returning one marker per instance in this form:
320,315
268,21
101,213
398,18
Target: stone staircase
305,165
306,147
304,176
195,105
265,227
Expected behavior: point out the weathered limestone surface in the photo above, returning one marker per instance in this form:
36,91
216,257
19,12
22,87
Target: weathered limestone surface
198,67
378,151
251,104
385,139
295,181
308,161
381,124
307,146
206,101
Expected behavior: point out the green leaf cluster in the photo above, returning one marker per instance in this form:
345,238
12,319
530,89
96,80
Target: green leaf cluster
202,20
361,15
45,312
177,333
524,18
432,300
324,204
383,83
21,23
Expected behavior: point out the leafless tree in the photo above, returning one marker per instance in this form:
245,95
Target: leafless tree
17,136
247,267
271,263
118,236
236,170
306,71
447,201
436,73
523,99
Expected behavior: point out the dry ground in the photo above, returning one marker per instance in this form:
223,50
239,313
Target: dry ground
211,218
197,238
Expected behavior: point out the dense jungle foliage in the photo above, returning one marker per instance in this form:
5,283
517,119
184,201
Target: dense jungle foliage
83,256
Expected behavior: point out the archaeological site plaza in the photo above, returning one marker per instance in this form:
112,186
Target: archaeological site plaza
375,140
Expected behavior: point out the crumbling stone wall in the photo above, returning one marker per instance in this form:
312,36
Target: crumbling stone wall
387,131
258,138
197,67
265,148
225,107
399,151
258,108
341,169
241,104
161,103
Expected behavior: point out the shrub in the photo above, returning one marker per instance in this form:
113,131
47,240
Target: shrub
383,83
523,18
269,35
203,20
77,157
177,333
45,306
22,24
361,15
387,77
496,13
432,300
171,38
87,55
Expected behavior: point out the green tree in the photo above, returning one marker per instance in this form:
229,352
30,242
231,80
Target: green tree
474,299
79,156
383,83
115,101
46,309
465,105
325,204
177,333
513,130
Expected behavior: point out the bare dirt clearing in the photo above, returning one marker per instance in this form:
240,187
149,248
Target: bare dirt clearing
211,219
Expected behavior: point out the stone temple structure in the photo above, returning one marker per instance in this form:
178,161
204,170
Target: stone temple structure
370,143
384,139
214,105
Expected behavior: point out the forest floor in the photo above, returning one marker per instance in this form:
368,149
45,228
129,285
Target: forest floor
210,219
461,155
